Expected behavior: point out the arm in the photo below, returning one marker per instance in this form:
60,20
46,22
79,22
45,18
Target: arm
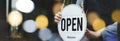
91,34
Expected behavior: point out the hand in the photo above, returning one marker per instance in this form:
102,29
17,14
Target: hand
58,17
91,34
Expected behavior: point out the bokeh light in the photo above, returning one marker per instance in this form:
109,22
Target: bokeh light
42,21
55,37
30,26
98,24
92,16
15,18
116,16
45,34
58,38
57,7
25,6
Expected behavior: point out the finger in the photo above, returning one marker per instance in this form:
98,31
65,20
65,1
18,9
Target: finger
56,18
58,15
87,30
56,21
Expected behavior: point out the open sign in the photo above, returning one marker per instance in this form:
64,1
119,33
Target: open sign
67,22
72,26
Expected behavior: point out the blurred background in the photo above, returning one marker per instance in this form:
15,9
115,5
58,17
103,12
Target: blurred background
40,7
106,11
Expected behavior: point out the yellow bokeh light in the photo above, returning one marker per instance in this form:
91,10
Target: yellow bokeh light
15,18
116,16
92,16
98,24
57,7
42,21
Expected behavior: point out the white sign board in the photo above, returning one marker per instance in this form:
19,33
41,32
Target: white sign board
72,26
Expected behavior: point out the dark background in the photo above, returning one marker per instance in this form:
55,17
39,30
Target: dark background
103,7
41,7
